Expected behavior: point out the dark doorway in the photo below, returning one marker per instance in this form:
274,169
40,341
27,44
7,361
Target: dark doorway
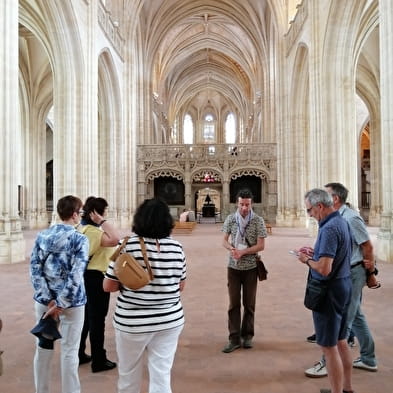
252,183
49,185
170,189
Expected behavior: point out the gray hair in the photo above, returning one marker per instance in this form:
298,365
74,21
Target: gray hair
339,190
317,195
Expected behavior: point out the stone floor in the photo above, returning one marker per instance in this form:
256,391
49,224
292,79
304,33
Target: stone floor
275,364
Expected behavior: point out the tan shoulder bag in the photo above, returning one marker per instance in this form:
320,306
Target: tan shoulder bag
128,270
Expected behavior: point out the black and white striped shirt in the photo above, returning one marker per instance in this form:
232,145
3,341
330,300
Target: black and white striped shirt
157,305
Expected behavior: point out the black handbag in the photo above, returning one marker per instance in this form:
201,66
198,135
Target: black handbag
261,269
316,293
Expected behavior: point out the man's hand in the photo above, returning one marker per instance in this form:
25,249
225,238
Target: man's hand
236,253
369,264
309,251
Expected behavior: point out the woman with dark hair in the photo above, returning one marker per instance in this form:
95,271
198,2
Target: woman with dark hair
151,318
103,236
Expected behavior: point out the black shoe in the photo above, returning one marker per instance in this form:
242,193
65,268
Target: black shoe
83,358
230,347
247,343
312,338
107,365
351,341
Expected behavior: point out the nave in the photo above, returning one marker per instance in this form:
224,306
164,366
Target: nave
275,364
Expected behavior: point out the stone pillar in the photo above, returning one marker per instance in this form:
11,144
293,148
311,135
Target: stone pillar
225,199
225,206
374,218
12,244
187,186
141,191
385,238
34,180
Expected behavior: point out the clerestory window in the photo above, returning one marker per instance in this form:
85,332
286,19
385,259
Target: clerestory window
209,129
188,130
230,129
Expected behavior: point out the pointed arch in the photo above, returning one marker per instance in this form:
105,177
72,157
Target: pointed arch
109,126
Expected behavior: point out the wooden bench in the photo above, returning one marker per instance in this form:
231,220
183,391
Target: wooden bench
269,229
184,227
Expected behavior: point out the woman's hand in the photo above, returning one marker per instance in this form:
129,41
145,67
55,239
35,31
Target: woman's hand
53,311
96,218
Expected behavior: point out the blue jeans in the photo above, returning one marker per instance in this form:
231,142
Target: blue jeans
356,319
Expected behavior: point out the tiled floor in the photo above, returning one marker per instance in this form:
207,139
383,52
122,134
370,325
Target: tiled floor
274,365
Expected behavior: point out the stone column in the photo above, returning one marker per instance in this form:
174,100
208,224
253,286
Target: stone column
374,218
141,185
385,238
225,199
225,206
187,186
12,244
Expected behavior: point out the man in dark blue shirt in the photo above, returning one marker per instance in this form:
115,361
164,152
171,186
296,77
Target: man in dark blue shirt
331,261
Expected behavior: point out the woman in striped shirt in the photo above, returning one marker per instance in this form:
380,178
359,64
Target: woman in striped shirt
151,318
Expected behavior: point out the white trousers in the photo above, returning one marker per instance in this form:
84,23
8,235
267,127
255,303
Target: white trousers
71,323
160,348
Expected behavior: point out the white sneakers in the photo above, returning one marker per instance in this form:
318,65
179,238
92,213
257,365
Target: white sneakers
357,363
317,371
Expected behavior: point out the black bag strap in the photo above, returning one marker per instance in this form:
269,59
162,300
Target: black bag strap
145,258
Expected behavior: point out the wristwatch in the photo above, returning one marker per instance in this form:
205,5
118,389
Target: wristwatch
375,272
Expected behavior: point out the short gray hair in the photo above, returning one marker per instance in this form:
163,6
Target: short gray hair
317,195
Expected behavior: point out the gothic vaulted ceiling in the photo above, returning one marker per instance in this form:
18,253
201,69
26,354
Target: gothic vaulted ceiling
209,51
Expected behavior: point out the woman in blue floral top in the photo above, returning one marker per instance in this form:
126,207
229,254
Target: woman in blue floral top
58,261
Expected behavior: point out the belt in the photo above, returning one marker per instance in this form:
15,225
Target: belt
356,264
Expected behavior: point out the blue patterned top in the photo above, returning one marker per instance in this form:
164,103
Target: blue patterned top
58,261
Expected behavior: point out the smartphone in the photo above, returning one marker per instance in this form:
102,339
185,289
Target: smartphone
293,252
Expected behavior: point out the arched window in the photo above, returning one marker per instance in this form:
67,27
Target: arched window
188,130
209,129
230,128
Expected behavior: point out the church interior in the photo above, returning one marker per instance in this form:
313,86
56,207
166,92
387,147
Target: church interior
130,99
191,101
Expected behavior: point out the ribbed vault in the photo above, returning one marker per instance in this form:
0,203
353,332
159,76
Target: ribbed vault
208,53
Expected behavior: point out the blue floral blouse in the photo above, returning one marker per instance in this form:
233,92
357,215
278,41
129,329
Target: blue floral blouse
58,261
